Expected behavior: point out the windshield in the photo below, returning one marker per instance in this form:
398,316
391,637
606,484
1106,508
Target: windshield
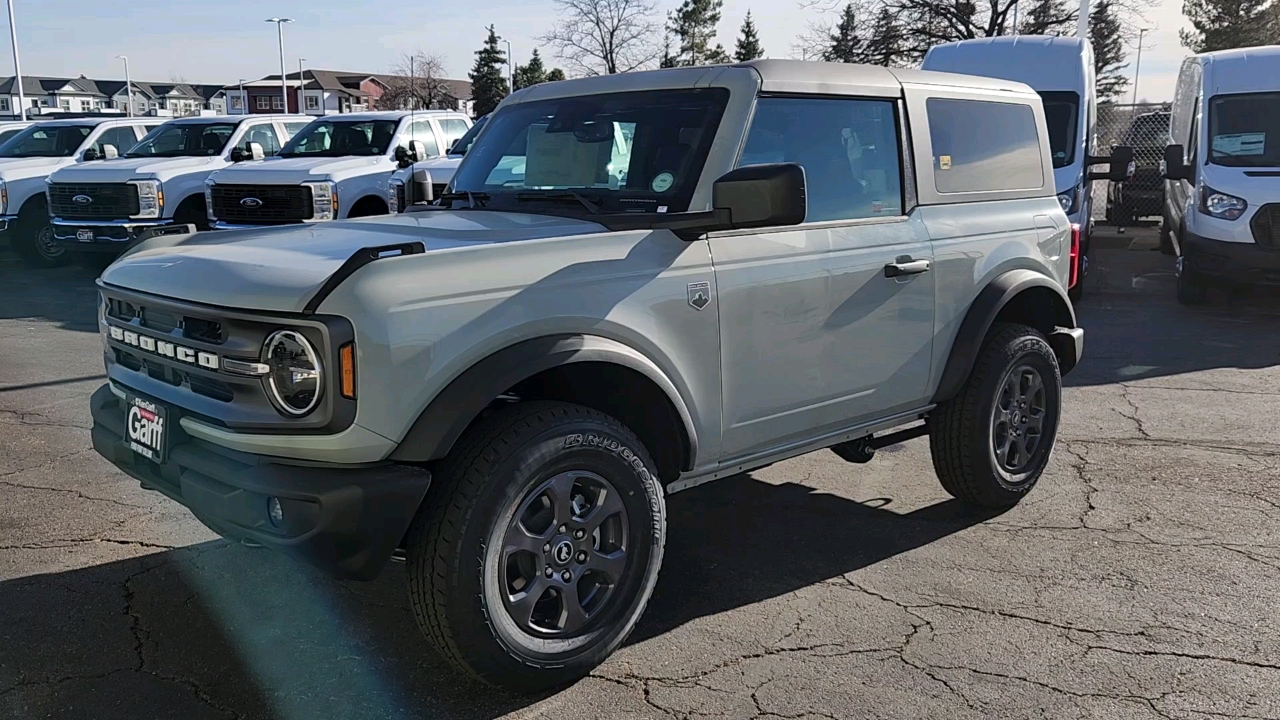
1061,114
626,152
339,138
47,141
184,140
464,142
1244,130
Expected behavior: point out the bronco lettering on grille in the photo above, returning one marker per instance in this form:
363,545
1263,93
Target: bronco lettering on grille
164,348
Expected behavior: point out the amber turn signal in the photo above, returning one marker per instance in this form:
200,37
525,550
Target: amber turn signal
347,370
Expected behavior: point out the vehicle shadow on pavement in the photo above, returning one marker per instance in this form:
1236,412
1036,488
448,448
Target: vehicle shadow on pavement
217,630
66,296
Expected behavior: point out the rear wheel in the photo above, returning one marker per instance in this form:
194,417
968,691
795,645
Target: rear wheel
33,239
539,545
991,442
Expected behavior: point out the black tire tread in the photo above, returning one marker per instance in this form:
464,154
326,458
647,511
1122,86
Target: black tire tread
447,511
953,422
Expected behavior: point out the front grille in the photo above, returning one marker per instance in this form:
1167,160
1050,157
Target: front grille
97,201
1266,226
276,203
165,322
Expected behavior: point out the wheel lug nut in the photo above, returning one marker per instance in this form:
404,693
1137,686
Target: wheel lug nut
563,528
566,576
579,533
582,557
546,547
548,572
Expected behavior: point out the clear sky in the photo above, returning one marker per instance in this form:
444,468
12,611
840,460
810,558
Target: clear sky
224,40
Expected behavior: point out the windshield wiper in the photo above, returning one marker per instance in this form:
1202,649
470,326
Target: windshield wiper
475,199
560,196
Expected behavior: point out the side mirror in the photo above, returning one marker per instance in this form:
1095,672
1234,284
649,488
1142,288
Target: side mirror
417,150
1121,165
90,155
237,154
421,187
402,157
1175,167
761,196
109,152
254,151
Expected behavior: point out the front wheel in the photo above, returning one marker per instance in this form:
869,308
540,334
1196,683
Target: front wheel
539,545
991,442
34,241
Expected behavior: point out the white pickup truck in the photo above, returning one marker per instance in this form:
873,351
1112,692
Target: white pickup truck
28,158
425,180
103,207
337,167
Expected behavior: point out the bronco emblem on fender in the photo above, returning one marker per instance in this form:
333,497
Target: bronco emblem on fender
699,294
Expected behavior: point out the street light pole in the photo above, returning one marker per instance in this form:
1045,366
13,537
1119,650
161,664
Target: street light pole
17,65
284,84
511,67
128,84
301,85
1082,27
1137,66
244,101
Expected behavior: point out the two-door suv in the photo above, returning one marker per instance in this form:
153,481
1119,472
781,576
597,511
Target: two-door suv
636,284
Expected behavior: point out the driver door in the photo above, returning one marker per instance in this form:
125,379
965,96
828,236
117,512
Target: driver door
827,324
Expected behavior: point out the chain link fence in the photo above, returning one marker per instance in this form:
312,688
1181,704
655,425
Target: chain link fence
1145,128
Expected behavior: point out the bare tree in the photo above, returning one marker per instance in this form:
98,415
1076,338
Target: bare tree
417,83
603,37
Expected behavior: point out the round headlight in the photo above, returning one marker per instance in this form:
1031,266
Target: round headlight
295,375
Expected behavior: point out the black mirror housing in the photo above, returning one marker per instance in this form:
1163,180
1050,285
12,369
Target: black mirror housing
91,154
1175,168
237,154
402,157
1120,165
761,196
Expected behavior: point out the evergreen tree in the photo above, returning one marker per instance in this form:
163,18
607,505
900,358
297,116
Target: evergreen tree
1224,24
1108,50
556,75
488,82
885,45
668,60
845,45
1049,17
530,74
748,47
694,25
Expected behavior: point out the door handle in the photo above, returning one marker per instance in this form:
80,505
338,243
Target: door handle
905,266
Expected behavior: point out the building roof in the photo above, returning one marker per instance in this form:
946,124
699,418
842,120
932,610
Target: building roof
347,83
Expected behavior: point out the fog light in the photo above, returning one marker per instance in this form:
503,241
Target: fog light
275,512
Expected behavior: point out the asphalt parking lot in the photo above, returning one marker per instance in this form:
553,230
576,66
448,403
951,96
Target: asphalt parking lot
1138,581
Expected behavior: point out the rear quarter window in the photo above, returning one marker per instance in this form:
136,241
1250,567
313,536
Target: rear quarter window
984,146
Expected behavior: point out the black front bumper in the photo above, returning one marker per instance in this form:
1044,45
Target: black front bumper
1243,263
346,519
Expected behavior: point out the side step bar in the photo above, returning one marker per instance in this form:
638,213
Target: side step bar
863,449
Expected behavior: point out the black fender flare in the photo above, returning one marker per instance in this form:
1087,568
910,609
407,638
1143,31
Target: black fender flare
454,408
986,308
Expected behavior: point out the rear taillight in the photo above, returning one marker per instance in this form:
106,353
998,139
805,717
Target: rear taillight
1075,256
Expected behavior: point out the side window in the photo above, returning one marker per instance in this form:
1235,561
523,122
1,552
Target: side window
292,128
264,135
848,148
122,138
421,131
264,102
982,146
453,130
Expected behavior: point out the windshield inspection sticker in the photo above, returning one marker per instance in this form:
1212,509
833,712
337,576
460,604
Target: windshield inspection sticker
662,182
944,162
1240,144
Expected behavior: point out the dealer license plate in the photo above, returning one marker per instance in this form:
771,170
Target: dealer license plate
84,235
145,427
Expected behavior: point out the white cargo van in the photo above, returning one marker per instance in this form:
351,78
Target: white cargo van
1060,70
1222,170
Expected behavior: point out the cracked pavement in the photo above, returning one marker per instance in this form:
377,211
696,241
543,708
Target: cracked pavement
1137,581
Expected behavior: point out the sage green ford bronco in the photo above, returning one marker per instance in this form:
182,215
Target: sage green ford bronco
633,284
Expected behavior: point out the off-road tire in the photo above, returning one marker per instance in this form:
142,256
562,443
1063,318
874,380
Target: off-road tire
961,432
33,238
476,491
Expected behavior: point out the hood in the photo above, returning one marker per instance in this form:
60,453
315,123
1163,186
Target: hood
18,168
279,269
441,168
292,171
122,169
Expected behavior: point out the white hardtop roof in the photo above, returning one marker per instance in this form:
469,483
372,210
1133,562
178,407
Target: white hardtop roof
1243,70
236,118
385,115
1043,62
782,76
120,120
